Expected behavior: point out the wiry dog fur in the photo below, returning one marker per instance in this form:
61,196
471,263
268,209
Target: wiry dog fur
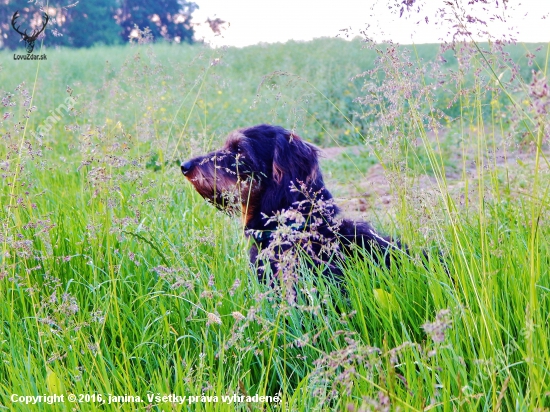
266,170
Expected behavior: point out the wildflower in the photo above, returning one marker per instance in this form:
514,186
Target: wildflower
235,286
238,316
213,318
437,329
540,93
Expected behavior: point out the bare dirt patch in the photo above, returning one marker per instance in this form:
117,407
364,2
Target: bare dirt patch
375,192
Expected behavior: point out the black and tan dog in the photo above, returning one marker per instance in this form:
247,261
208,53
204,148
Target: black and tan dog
266,171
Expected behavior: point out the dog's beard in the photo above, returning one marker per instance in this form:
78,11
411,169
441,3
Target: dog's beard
236,198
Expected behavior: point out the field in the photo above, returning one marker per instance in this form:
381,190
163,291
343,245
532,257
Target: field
118,280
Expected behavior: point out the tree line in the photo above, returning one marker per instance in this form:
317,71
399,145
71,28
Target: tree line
87,22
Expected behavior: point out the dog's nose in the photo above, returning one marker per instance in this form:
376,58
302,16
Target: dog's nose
186,167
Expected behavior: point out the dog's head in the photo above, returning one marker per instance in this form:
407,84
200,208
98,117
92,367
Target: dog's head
254,171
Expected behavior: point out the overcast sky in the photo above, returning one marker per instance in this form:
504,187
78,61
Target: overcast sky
254,21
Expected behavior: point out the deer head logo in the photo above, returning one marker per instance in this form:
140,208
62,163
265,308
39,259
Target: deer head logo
29,39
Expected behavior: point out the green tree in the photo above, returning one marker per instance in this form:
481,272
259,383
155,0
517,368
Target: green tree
167,19
89,23
83,25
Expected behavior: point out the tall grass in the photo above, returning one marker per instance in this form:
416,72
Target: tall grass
116,278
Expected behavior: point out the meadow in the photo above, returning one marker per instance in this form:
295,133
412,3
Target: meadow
117,279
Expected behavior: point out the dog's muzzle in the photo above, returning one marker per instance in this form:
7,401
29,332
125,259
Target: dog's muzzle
186,167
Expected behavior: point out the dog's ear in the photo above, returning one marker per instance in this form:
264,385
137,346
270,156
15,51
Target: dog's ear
295,161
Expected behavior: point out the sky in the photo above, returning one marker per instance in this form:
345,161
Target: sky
257,21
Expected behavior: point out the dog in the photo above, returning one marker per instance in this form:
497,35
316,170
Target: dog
272,177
